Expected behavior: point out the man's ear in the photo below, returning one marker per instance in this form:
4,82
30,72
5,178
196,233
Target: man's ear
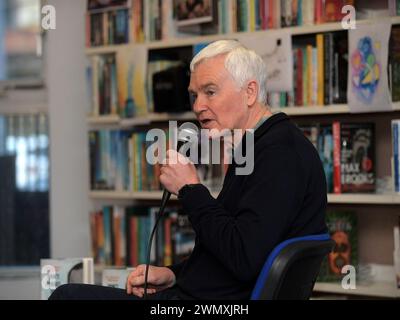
252,92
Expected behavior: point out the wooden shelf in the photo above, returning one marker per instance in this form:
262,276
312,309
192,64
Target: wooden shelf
384,199
313,110
104,120
388,199
126,195
104,49
115,120
179,42
172,116
131,195
322,110
377,289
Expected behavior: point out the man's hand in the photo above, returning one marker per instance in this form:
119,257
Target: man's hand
159,278
177,171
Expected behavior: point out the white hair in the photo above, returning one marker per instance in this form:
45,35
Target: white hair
243,64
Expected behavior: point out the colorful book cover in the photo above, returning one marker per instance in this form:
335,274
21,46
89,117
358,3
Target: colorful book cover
131,74
357,157
325,150
343,230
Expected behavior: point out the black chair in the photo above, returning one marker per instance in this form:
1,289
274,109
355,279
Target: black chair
292,268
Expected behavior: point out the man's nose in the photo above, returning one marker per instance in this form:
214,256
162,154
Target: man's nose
199,105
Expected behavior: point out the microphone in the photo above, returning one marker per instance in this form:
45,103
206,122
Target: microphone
186,133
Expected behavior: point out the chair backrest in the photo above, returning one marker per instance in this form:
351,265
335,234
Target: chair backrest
292,268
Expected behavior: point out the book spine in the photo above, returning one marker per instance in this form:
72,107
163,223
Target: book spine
395,148
336,158
321,71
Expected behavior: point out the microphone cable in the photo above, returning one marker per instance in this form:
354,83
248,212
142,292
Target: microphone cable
165,198
186,133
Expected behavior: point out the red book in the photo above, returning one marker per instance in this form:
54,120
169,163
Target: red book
319,11
333,10
336,158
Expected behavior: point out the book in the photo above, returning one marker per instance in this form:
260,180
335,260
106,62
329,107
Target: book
396,253
354,157
115,277
131,78
394,63
56,272
342,226
395,154
357,157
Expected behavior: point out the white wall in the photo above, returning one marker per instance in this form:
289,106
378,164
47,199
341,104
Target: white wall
20,289
20,283
66,62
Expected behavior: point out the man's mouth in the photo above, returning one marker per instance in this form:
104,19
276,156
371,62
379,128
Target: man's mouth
205,122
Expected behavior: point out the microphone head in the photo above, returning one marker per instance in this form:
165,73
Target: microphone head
188,132
188,135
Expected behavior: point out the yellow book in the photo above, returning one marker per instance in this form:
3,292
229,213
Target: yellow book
252,15
320,63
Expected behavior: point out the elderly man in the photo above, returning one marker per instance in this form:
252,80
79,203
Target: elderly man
283,197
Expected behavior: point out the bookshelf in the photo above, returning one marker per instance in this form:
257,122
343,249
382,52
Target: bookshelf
379,199
379,202
169,43
117,121
378,289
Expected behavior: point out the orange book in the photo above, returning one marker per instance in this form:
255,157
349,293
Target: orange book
320,63
167,242
133,241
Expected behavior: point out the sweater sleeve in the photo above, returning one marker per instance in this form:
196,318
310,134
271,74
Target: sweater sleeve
269,199
177,267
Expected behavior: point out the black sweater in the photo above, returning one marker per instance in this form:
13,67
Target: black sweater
284,197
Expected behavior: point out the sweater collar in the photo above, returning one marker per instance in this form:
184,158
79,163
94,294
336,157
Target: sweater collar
271,121
261,130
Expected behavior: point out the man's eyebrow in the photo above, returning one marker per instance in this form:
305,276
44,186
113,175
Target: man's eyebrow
202,87
208,84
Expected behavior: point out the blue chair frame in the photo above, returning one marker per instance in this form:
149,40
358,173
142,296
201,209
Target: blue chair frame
292,268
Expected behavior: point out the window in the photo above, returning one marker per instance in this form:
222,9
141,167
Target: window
24,141
20,42
24,181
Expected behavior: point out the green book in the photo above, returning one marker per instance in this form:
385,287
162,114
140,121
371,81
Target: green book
343,230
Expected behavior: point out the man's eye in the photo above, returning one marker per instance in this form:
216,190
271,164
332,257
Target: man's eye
210,92
193,98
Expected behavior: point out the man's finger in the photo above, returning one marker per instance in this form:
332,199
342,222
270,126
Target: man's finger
137,281
138,270
137,292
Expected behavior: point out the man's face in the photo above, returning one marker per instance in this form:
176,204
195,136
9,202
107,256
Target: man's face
217,101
